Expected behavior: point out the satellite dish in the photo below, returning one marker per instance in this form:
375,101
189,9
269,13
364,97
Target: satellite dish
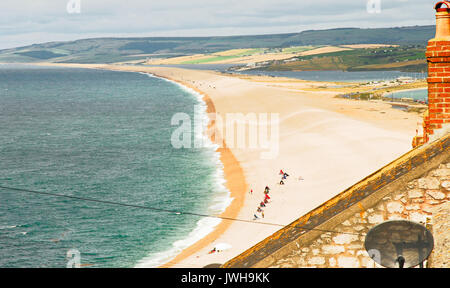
399,244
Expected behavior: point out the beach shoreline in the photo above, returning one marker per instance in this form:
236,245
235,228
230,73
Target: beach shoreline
233,174
235,183
315,127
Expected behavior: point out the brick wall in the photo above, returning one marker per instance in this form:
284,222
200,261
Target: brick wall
438,118
416,202
436,121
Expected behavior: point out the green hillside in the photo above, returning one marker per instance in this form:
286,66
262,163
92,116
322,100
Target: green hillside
109,50
409,58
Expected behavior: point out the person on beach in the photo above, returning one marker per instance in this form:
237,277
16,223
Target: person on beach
266,190
281,182
281,172
261,211
262,204
285,175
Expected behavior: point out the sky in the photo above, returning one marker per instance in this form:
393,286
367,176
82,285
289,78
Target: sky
25,22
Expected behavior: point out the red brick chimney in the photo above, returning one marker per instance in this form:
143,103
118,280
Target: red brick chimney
437,119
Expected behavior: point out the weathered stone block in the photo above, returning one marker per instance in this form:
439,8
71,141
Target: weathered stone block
396,217
417,217
429,183
345,238
316,261
433,202
375,219
427,208
355,246
415,193
395,207
333,249
437,195
348,262
412,207
446,185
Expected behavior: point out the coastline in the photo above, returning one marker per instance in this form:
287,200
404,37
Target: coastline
235,183
196,251
233,173
315,128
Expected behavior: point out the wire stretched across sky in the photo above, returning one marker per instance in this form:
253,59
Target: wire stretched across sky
169,211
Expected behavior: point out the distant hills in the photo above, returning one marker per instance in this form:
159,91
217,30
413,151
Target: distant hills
110,50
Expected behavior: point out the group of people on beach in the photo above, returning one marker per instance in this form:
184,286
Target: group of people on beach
284,177
263,203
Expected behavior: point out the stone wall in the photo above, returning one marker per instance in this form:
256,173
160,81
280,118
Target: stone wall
440,257
416,202
403,174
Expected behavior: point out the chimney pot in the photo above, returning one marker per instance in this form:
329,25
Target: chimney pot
442,20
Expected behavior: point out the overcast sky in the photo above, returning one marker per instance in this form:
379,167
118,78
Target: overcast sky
24,22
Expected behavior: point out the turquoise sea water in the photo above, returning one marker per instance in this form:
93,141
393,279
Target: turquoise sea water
103,135
338,76
332,76
419,94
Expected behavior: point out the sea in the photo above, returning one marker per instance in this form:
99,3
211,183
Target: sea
101,135
339,76
327,76
416,94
